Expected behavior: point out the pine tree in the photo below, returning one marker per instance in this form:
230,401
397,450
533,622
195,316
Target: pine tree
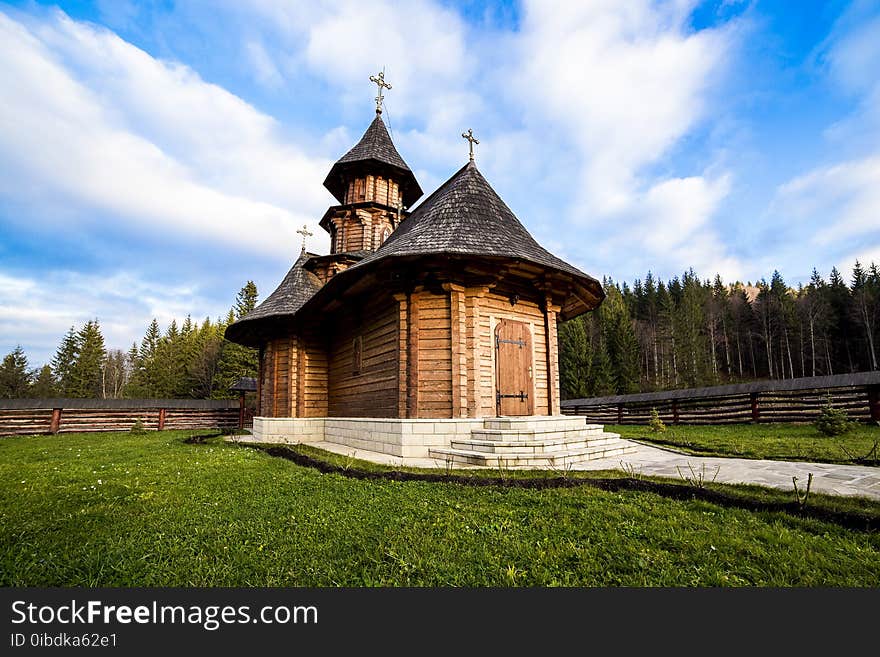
620,341
603,379
841,330
63,364
864,309
15,379
245,300
88,368
43,386
575,359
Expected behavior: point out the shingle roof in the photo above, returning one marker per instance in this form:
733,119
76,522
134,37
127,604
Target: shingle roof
291,294
374,146
466,216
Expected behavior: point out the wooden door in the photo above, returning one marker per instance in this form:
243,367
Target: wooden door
513,368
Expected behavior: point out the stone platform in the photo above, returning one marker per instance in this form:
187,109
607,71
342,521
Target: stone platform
511,442
533,442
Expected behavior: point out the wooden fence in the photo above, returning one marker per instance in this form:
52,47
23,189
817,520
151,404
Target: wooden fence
792,400
36,416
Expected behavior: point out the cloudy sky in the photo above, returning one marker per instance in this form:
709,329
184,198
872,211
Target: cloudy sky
154,156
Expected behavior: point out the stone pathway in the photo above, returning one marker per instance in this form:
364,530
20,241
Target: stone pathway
827,477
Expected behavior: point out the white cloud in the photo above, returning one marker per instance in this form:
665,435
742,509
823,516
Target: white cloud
91,121
624,81
833,203
607,89
836,206
264,68
37,313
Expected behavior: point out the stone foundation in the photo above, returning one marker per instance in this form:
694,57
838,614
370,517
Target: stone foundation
395,436
533,441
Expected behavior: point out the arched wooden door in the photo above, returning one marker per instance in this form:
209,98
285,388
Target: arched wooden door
513,368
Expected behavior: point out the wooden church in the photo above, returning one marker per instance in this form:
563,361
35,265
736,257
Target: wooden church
448,310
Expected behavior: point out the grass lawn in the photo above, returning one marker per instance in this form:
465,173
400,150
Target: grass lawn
151,510
783,442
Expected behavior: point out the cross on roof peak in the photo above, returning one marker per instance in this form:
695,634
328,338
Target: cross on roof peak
305,232
469,135
381,84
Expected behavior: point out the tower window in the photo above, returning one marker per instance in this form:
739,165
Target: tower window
386,233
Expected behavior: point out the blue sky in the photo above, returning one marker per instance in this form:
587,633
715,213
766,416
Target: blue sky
154,156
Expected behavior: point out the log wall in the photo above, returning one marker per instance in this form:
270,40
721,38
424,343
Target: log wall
434,355
76,415
373,390
799,405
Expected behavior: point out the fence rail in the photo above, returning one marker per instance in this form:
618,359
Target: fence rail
792,400
37,416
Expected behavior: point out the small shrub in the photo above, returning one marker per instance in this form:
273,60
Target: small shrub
138,427
832,421
656,423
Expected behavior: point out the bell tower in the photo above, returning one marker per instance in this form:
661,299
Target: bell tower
373,185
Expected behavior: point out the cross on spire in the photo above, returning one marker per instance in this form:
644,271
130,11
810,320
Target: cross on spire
381,84
469,135
305,232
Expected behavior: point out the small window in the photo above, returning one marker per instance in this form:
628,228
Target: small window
357,354
385,234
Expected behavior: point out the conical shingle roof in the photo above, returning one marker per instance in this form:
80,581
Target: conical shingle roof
374,147
291,294
466,216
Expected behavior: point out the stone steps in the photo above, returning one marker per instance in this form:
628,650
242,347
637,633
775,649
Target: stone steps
529,435
531,460
533,442
544,423
536,446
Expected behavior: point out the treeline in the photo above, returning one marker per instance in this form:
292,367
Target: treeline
192,360
689,332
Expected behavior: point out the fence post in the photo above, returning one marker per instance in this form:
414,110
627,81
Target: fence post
56,420
620,414
161,419
674,411
874,402
756,412
241,411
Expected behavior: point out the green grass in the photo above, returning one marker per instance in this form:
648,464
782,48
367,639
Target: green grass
150,510
783,442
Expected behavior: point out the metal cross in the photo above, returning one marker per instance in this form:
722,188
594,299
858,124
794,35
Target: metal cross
381,84
305,232
469,135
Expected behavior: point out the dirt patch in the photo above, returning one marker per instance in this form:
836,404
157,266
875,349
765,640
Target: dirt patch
201,438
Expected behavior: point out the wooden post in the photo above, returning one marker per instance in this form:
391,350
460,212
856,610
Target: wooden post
402,354
620,414
412,356
300,378
259,382
674,411
161,419
874,402
756,412
241,410
458,337
551,354
56,420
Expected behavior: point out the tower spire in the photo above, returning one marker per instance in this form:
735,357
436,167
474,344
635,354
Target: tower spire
381,84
